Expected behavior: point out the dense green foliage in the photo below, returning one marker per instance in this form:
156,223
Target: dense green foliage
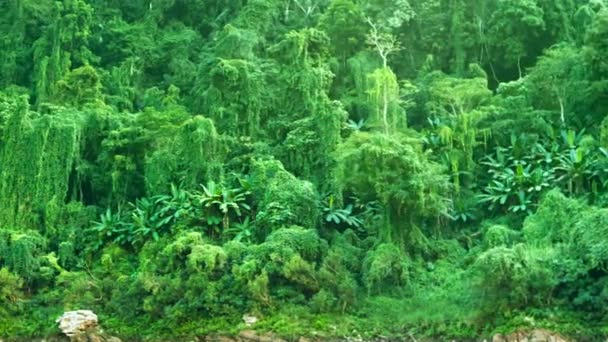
334,167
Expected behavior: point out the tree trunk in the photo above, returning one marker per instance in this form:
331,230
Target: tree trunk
385,108
562,110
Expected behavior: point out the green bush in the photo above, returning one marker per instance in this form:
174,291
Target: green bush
283,199
385,269
11,293
513,278
22,253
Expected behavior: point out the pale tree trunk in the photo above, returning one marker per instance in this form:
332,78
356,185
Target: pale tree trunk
287,10
385,95
519,66
562,110
385,108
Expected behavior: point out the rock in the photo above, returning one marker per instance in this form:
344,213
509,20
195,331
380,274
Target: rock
248,335
77,322
313,339
219,338
94,337
270,338
249,320
252,336
83,326
536,335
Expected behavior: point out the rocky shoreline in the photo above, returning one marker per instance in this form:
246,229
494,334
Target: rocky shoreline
83,326
97,335
535,335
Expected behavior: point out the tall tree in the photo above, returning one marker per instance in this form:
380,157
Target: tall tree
513,36
384,89
63,46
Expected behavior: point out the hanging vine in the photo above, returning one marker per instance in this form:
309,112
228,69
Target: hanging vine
29,184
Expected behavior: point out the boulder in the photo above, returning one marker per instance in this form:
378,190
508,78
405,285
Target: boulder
536,335
219,338
74,323
253,336
83,326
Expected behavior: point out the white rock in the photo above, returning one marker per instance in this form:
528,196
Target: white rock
76,322
249,319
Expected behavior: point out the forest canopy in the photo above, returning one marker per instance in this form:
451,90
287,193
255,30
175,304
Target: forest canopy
336,168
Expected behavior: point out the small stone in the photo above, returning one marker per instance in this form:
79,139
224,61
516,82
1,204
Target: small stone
249,320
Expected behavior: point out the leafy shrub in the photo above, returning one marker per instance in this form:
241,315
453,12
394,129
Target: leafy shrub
512,278
587,239
81,290
283,199
554,219
147,219
211,257
305,242
498,235
394,170
11,292
22,252
301,272
385,268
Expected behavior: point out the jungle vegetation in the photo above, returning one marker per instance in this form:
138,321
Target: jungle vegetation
334,167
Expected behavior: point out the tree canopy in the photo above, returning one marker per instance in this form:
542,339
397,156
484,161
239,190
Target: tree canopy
319,164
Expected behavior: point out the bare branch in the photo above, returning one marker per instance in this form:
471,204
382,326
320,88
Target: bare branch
384,43
307,10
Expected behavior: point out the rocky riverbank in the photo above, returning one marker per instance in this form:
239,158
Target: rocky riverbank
537,335
83,326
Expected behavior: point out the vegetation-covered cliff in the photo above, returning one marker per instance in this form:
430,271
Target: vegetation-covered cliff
332,167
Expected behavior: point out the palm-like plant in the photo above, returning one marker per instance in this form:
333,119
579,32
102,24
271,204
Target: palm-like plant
540,180
340,215
176,206
355,126
601,167
241,232
518,182
147,218
523,204
220,203
464,209
157,214
576,165
112,227
497,193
